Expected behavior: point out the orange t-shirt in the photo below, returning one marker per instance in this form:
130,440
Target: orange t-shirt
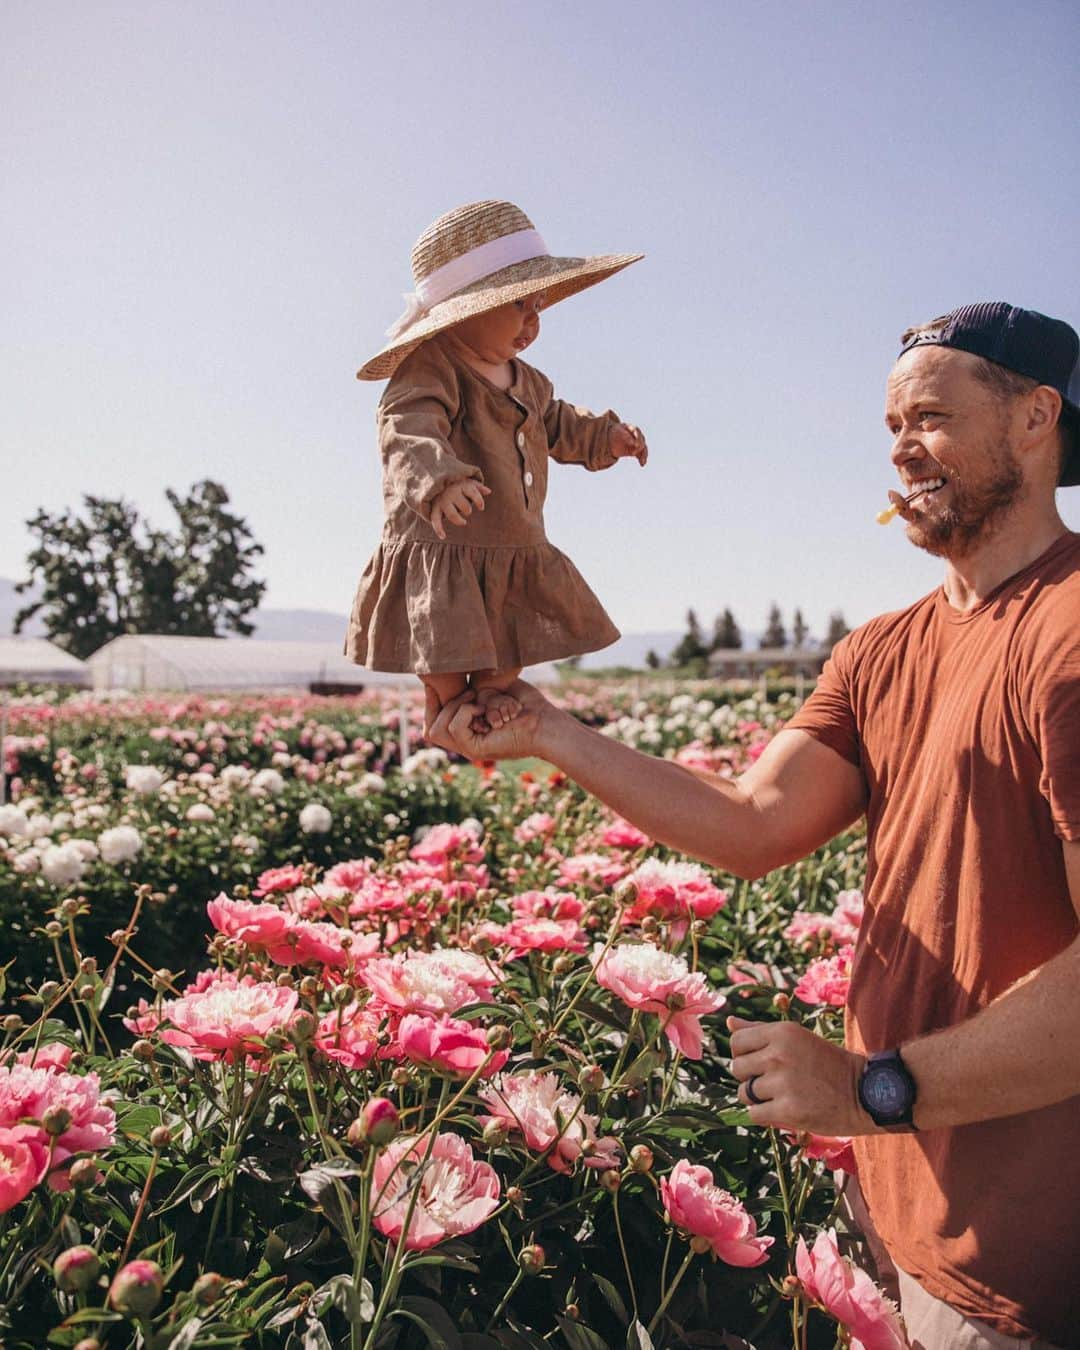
966,728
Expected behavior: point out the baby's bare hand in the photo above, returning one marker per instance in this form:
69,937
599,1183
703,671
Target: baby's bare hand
455,504
628,442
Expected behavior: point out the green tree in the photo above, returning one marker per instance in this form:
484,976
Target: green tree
652,660
691,646
105,571
799,631
774,634
836,630
726,634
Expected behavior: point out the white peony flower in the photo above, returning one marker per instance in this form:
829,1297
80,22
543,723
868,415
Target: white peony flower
37,827
62,864
235,776
315,818
13,822
268,780
121,844
143,779
86,849
26,862
199,811
424,761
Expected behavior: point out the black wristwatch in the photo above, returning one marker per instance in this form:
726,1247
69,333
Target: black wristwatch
887,1091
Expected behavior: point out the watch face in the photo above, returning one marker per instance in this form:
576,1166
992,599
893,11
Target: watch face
886,1091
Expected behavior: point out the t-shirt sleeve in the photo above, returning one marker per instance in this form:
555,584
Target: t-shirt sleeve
1056,723
829,713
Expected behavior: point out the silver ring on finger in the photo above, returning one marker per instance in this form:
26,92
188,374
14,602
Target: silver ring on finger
751,1095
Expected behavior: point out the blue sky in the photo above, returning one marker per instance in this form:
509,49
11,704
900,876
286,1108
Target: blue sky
208,209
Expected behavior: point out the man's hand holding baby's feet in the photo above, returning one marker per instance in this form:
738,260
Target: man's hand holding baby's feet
498,706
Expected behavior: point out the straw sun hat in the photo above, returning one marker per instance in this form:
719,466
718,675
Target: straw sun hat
474,259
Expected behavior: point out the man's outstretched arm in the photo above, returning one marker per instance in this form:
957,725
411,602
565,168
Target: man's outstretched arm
798,794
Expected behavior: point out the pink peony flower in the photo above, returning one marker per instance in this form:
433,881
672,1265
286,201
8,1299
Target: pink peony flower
27,1093
750,972
24,1158
227,1021
446,1044
436,982
840,928
673,891
454,1192
655,981
621,834
54,1055
276,879
836,1152
351,875
255,925
536,935
549,1119
695,1204
537,826
596,871
827,980
447,843
349,1036
548,904
849,1295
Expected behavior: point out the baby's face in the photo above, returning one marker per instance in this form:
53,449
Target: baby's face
502,333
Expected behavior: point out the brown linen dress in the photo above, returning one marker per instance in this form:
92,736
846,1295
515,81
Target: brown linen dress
495,594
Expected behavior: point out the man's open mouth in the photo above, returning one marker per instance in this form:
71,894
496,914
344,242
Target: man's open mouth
923,487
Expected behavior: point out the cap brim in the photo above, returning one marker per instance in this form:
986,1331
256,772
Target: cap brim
558,278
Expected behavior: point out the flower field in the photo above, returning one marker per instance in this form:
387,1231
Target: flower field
304,1046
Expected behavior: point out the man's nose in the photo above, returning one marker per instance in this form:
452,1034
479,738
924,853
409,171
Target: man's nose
905,447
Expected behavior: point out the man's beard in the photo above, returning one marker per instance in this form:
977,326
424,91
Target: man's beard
974,512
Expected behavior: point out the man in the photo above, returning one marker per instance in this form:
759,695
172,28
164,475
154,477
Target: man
954,726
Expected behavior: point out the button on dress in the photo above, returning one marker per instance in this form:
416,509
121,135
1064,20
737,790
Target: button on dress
495,594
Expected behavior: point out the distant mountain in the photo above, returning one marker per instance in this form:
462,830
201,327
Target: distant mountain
320,625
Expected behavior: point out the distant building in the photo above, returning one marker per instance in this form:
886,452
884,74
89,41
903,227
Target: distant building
751,663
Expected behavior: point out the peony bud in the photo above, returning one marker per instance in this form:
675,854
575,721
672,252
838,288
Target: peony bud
70,908
378,1122
137,1288
83,1173
208,1288
500,1037
76,1269
160,1136
12,1022
48,991
563,964
143,1050
781,1002
56,1120
53,929
610,1179
496,1132
309,987
162,980
791,1286
516,1196
401,1077
531,1258
302,1026
641,1158
591,1078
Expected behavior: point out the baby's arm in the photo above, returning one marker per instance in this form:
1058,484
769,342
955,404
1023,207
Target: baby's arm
414,421
577,436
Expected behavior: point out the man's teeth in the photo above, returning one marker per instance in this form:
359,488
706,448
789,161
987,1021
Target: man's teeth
925,485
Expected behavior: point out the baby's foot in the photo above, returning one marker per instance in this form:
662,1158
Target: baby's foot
499,707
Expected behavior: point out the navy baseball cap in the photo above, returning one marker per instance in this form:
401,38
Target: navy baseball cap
1045,350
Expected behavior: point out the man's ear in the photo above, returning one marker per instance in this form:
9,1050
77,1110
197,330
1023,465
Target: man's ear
1043,411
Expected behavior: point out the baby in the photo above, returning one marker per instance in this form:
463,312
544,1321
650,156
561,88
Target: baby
465,589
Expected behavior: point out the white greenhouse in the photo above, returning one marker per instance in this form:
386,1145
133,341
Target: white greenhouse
38,661
146,662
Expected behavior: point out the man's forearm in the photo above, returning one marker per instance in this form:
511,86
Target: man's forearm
719,821
1020,1053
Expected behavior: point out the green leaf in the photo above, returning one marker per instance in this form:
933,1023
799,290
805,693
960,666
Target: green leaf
186,1337
638,1338
612,1297
579,1336
434,1321
191,1182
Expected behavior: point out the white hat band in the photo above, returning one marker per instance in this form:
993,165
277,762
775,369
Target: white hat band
463,270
